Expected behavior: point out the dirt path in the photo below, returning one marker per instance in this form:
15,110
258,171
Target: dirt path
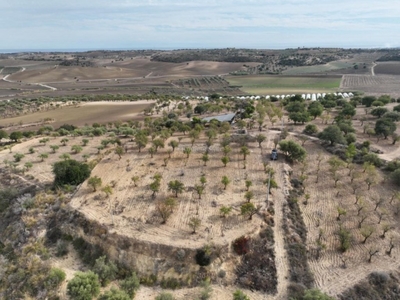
282,266
372,69
391,155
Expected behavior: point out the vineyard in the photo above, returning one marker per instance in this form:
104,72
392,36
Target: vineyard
381,84
209,84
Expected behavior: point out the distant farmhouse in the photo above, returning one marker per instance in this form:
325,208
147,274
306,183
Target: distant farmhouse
221,118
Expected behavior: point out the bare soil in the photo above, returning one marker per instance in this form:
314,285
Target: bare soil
79,115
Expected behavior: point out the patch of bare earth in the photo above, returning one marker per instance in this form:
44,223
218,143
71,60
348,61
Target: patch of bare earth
321,213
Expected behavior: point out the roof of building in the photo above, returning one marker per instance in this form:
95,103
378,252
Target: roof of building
221,118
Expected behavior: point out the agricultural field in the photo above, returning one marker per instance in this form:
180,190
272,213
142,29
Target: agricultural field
264,85
373,85
318,69
78,115
387,68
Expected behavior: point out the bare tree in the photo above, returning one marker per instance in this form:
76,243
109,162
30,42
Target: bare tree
371,253
366,232
391,246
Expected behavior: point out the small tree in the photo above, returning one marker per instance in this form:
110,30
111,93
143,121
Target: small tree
294,151
226,150
165,208
155,187
187,151
205,158
84,286
54,148
28,165
385,229
43,156
245,151
248,184
135,180
119,151
249,195
371,253
85,142
199,189
107,190
260,138
344,239
18,157
225,181
341,212
225,210
248,209
239,295
203,180
158,143
173,144
64,141
94,182
76,149
366,232
152,150
176,186
225,160
194,223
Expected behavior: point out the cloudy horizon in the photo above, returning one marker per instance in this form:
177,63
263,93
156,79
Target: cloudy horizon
167,24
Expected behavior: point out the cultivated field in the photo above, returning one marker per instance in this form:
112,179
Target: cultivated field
79,115
387,68
135,69
374,85
262,85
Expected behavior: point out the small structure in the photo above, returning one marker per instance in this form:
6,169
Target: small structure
221,118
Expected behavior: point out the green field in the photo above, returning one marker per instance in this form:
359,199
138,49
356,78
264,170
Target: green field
264,85
334,65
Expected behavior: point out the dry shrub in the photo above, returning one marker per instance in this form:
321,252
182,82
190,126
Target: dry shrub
241,245
257,269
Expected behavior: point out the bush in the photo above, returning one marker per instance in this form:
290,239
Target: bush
84,286
310,129
350,138
315,294
61,248
393,165
114,294
373,159
170,283
87,252
239,295
55,278
396,177
70,172
105,269
241,245
203,258
165,296
130,285
6,195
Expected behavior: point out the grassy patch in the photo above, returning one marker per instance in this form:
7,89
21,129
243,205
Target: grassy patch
284,84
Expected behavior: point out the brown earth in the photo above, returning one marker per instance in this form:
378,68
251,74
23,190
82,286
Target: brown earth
85,113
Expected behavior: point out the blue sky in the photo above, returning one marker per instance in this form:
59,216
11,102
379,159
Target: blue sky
166,24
